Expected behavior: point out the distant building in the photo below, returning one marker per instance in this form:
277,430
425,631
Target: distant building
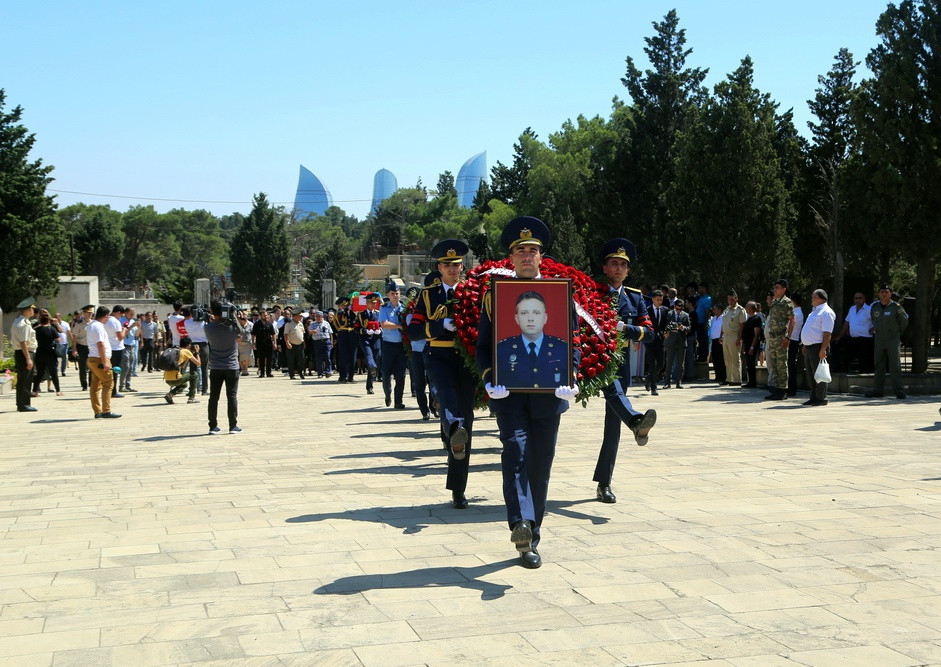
383,185
312,195
469,178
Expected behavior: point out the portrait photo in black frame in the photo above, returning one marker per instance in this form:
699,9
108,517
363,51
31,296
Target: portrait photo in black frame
532,323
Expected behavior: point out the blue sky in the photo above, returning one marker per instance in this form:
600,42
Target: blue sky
215,101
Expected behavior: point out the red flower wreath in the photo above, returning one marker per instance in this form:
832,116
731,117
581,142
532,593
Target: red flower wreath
600,341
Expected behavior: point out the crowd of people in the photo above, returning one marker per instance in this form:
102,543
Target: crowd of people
665,336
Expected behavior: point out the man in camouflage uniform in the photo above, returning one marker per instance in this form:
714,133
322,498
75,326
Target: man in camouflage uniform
777,334
889,320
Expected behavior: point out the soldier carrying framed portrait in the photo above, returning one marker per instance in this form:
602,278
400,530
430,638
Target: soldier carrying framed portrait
532,324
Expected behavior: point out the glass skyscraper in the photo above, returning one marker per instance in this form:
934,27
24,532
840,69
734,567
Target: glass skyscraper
469,178
383,185
312,195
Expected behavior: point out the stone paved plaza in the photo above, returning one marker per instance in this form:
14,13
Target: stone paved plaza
745,533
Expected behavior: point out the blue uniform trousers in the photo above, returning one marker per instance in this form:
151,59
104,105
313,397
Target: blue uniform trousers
617,410
456,386
346,354
529,427
393,368
416,370
371,351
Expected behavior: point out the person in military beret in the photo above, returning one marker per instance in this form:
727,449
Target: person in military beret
528,422
617,256
889,321
23,338
432,320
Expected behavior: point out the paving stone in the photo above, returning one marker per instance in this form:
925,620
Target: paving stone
333,542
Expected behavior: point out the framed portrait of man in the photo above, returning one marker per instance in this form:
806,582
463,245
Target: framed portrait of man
532,321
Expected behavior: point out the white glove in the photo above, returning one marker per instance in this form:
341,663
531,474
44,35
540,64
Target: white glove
497,392
371,332
566,393
449,324
621,325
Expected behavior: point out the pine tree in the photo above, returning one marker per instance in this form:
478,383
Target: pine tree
33,241
259,252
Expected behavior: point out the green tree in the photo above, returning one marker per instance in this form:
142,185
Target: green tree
335,260
259,256
834,136
445,185
897,116
508,183
33,242
662,101
98,238
728,186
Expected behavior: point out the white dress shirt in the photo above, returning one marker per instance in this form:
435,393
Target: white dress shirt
820,321
860,321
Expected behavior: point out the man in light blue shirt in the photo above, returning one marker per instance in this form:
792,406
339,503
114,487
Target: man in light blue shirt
392,322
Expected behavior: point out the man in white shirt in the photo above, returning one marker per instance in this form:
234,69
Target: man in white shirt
100,355
116,338
175,323
715,344
859,342
194,329
815,337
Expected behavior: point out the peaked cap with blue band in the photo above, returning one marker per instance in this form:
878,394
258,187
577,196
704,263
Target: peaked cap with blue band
525,230
620,248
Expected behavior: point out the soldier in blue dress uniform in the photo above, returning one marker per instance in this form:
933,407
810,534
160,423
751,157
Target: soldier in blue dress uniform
528,422
532,358
634,323
433,321
370,339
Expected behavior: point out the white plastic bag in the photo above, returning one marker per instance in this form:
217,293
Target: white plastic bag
822,374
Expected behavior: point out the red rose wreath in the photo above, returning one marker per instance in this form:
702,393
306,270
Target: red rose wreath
597,335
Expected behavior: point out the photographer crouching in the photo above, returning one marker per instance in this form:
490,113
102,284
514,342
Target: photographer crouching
223,332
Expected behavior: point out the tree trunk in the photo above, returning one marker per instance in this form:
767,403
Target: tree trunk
924,294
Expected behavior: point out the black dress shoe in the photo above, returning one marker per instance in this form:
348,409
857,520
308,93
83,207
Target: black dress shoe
388,400
425,417
641,425
400,406
810,402
654,392
679,386
370,391
522,536
901,396
107,415
875,394
530,559
28,408
605,494
458,500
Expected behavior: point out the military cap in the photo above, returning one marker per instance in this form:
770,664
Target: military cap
90,308
450,251
885,286
732,292
433,278
26,303
341,300
525,230
391,285
620,248
412,292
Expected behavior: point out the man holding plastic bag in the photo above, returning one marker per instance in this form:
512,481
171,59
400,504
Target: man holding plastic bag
815,337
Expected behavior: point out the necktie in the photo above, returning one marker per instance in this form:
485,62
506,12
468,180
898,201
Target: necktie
450,293
532,352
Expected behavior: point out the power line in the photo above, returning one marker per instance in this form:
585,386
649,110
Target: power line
188,201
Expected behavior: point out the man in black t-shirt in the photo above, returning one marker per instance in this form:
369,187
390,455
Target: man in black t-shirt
263,341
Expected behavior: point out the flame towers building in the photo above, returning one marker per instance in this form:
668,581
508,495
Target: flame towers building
312,195
469,179
383,185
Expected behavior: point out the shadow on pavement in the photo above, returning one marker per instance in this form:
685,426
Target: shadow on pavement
160,438
418,471
413,455
431,577
60,421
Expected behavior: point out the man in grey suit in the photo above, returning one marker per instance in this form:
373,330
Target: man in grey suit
675,342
